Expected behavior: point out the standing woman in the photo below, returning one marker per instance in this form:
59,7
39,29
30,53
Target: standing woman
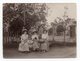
45,44
23,46
51,36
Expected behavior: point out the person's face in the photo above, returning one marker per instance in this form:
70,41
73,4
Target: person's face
45,32
34,33
29,38
25,32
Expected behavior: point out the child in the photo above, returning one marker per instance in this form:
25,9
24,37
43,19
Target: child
45,45
35,41
23,46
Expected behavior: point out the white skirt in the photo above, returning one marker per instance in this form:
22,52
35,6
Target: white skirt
23,47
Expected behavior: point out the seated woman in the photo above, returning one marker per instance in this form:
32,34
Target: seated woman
45,44
24,46
30,43
35,41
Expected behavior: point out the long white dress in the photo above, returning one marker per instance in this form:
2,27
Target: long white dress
45,45
23,46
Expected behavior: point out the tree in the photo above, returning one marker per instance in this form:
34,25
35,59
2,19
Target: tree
25,15
60,29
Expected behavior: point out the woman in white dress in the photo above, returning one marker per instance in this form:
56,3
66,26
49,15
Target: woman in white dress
35,41
45,44
30,43
24,46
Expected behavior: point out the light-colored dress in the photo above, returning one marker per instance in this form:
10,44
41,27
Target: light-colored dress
30,43
45,44
23,46
35,42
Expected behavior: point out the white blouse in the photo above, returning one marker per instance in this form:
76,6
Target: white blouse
24,37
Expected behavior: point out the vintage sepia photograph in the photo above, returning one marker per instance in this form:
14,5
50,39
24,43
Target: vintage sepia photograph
39,30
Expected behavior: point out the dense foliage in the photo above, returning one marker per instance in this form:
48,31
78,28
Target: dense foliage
19,15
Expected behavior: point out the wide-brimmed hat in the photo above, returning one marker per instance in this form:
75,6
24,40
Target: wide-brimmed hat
24,30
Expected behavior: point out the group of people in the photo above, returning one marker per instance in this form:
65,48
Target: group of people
34,42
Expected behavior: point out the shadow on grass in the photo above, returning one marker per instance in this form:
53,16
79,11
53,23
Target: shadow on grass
54,44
